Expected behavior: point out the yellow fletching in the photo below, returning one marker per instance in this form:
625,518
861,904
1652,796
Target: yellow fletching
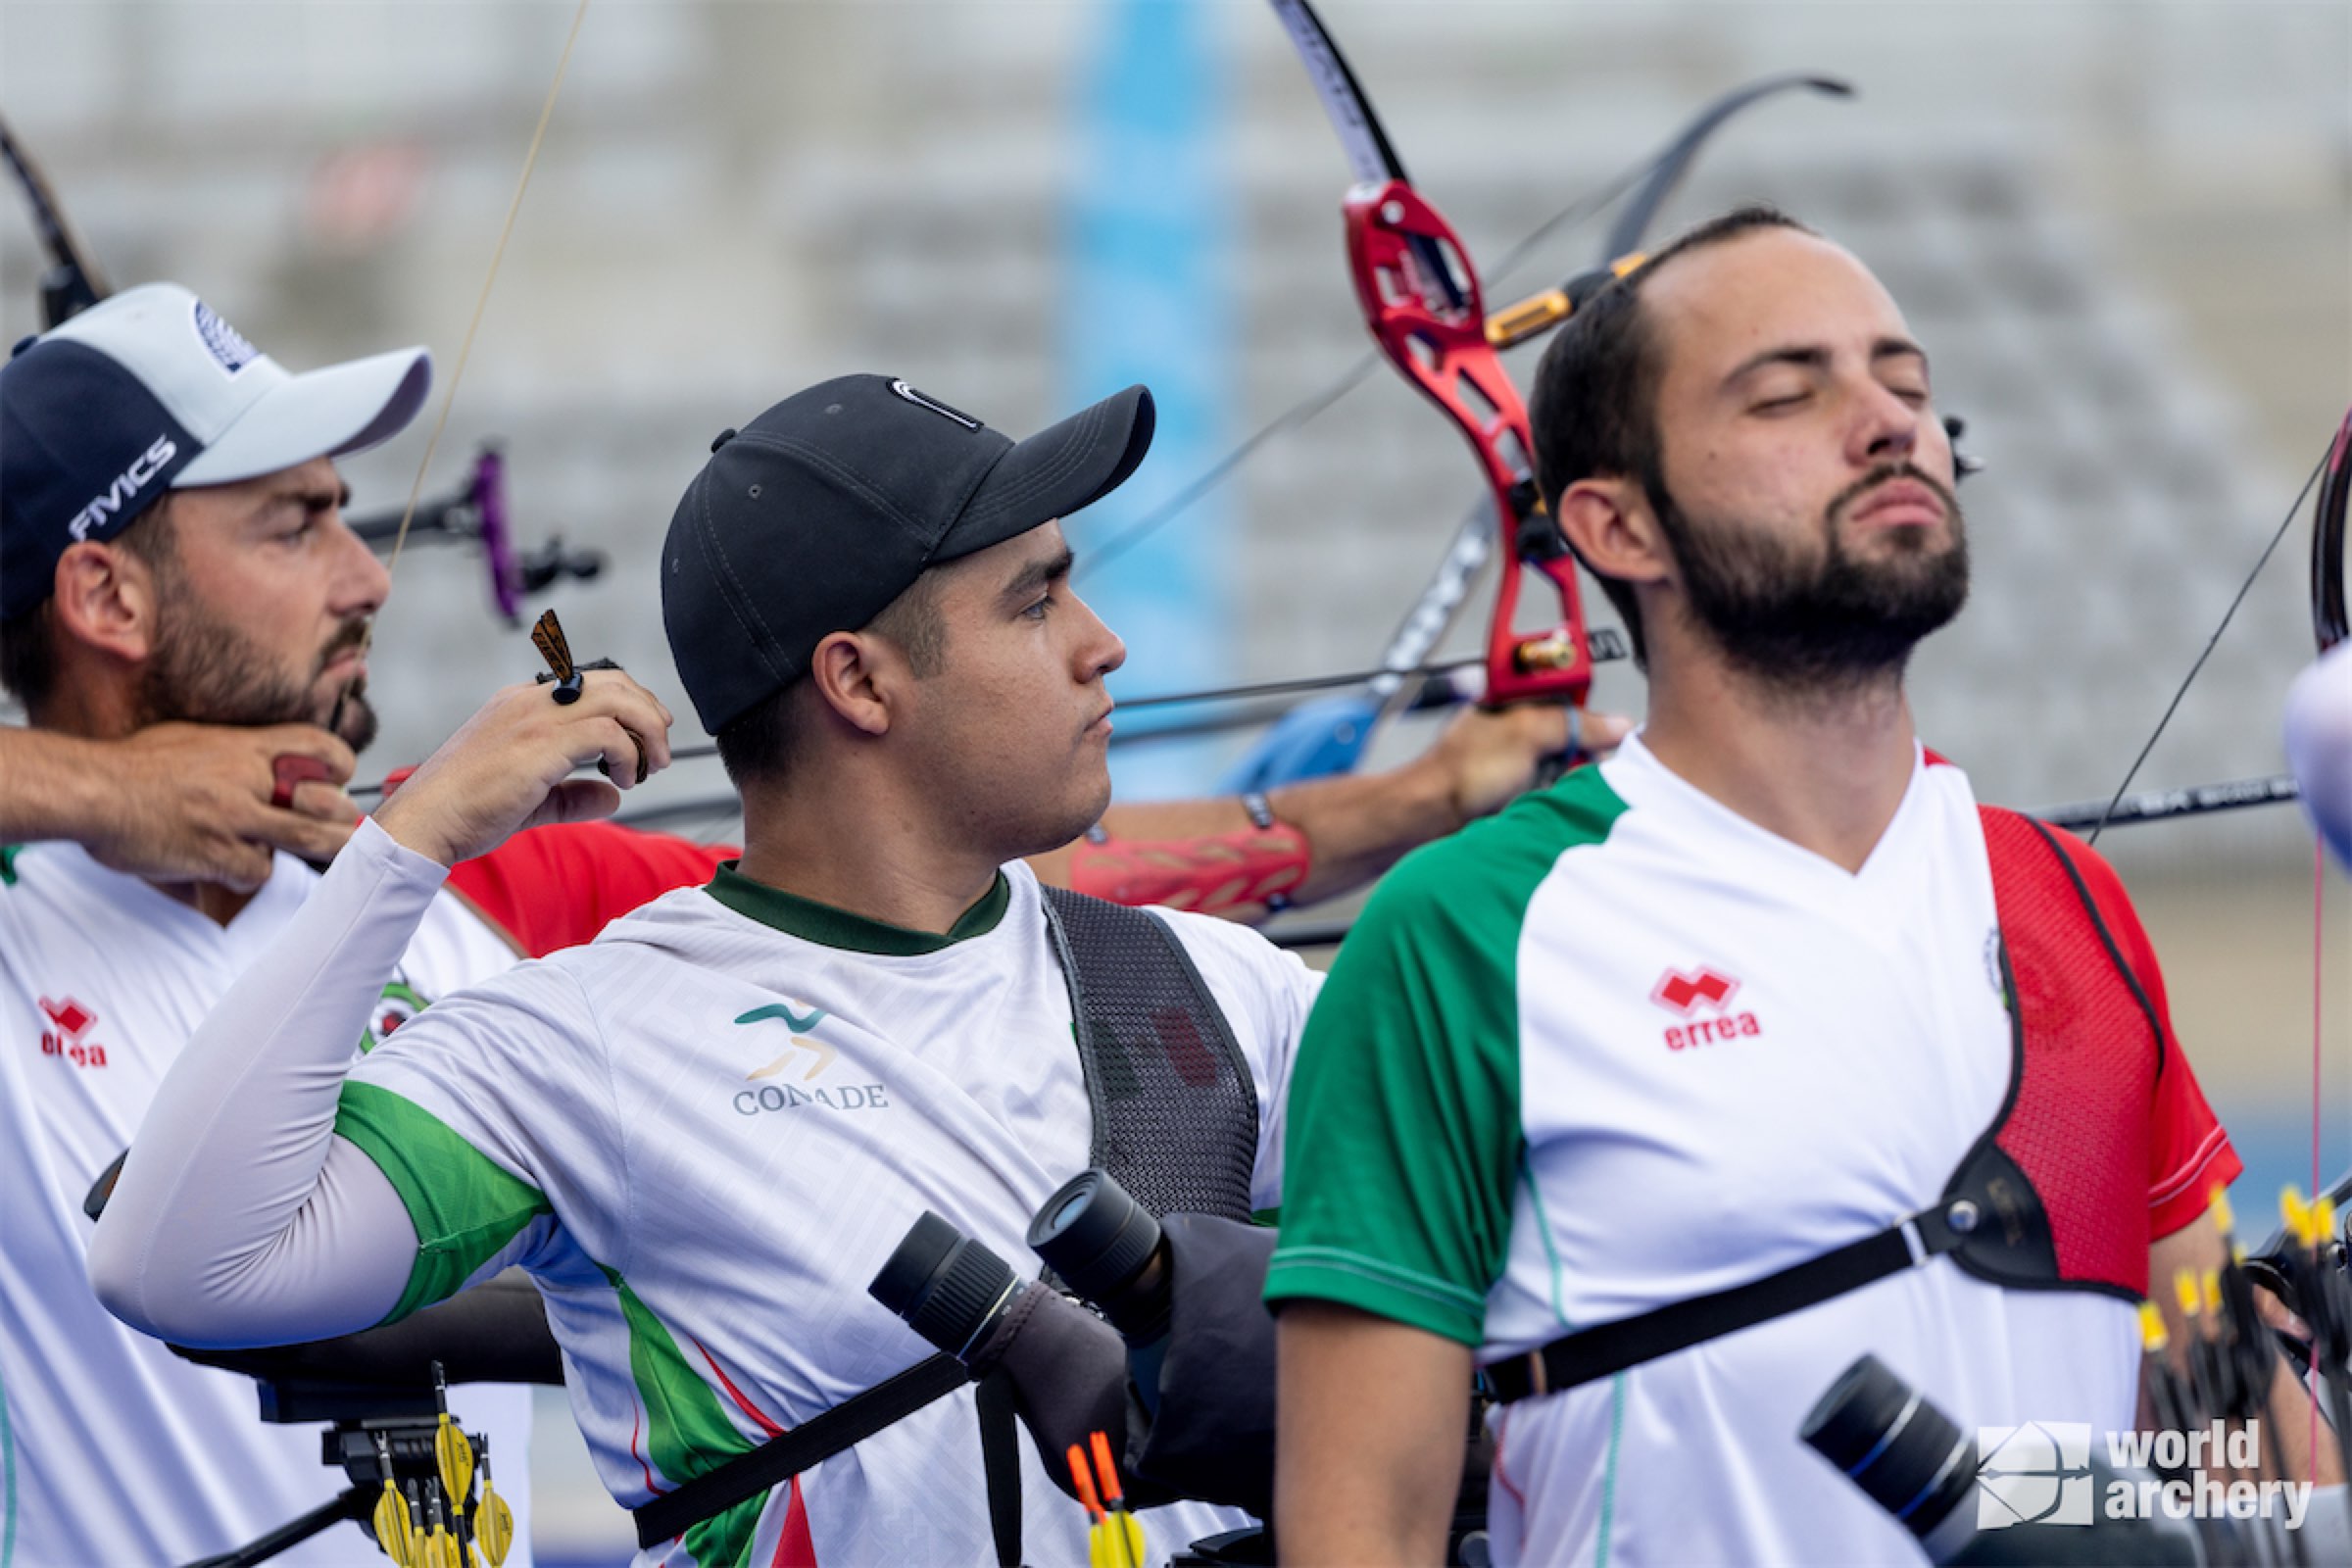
494,1528
2323,1219
493,1520
2184,1291
392,1528
1116,1543
2152,1333
455,1454
2222,1214
2294,1212
2212,1283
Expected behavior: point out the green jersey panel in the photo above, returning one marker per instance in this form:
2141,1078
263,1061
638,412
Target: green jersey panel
1404,1104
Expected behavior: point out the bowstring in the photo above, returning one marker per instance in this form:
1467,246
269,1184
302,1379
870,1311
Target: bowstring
498,256
2246,587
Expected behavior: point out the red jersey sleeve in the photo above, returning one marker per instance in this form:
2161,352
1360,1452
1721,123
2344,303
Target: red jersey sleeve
2189,1152
557,886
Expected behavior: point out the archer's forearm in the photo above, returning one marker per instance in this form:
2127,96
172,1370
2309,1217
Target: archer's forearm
1355,827
1358,825
53,786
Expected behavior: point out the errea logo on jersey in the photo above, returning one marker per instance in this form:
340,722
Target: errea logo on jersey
1702,990
68,1036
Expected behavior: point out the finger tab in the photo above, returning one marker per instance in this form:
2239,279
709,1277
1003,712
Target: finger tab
287,772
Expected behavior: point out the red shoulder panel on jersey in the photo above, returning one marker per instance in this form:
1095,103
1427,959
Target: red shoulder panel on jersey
2099,1040
557,886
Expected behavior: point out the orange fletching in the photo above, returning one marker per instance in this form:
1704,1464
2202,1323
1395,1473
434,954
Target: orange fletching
1103,1467
1085,1484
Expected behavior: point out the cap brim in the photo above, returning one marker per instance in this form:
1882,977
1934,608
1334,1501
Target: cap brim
1061,470
320,413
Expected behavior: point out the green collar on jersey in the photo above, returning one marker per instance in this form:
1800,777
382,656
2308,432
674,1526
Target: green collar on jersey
830,927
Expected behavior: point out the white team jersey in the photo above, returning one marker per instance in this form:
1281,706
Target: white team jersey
114,1450
1699,1054
705,1133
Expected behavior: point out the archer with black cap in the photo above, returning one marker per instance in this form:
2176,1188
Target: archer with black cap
707,1130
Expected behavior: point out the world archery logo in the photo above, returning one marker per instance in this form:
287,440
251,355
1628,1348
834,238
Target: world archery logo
1702,989
399,1003
2035,1474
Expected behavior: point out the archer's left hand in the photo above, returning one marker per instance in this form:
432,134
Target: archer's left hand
1492,756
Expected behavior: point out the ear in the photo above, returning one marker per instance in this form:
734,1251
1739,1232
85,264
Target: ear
1611,526
106,600
850,674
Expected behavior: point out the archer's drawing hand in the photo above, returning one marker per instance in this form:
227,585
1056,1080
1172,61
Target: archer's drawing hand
510,766
1492,756
192,801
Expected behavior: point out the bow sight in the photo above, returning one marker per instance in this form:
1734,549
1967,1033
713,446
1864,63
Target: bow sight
476,513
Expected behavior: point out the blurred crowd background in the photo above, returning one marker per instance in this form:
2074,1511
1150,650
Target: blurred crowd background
2123,230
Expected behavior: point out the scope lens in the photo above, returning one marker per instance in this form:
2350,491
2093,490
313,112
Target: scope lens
1094,1235
900,1285
947,1287
1893,1442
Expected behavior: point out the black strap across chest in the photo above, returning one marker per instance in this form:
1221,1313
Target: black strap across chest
1175,1109
1175,1121
1990,1219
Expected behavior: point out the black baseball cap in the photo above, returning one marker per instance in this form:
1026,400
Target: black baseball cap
812,517
149,391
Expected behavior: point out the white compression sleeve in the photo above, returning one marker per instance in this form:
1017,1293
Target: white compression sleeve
240,1218
2319,747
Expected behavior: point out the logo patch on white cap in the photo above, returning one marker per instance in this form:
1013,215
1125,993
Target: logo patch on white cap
228,344
934,405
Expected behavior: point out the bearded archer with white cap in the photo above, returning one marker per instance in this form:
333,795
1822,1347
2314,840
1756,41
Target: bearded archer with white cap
171,548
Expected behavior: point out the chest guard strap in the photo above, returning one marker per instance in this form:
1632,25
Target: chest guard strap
2079,1022
1175,1114
1174,1105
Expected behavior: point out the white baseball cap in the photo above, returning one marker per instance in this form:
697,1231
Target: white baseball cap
148,390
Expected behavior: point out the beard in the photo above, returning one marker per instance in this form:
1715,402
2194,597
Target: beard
1819,625
207,672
